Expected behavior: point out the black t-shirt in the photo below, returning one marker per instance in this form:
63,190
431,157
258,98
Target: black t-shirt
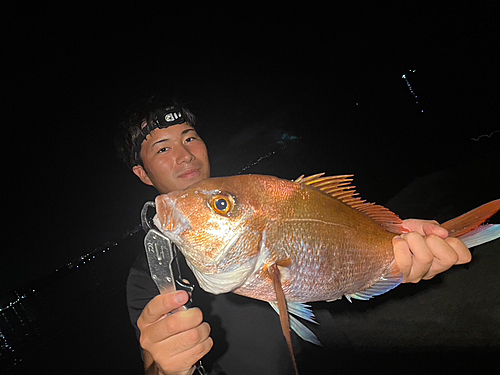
247,333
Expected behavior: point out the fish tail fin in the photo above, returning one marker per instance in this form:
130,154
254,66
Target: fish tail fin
468,228
480,235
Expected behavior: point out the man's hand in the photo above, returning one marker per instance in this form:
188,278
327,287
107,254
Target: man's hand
173,339
427,250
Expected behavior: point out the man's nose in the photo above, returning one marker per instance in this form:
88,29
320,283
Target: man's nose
183,155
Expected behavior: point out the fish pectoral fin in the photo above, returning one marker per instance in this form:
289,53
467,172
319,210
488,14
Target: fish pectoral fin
302,311
386,283
275,275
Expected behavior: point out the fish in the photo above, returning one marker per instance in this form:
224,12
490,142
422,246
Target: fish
292,242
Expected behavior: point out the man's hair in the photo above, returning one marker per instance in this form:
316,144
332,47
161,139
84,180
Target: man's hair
129,135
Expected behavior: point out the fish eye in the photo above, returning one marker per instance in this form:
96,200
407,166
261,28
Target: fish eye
221,204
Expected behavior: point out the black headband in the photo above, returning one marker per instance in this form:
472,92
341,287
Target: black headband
159,119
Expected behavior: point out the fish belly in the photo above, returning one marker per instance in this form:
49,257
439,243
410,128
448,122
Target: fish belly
327,268
328,260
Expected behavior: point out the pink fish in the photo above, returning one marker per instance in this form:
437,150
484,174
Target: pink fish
291,242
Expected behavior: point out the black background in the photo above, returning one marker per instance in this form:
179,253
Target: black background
332,76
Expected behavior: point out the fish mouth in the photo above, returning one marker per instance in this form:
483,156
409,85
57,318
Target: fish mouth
168,219
173,224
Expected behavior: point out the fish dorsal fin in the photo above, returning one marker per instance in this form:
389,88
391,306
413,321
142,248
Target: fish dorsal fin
340,187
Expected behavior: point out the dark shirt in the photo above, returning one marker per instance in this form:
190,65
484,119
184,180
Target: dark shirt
247,333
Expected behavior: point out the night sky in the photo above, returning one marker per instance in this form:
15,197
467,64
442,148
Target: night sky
328,82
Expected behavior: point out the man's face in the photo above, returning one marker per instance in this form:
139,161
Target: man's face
174,158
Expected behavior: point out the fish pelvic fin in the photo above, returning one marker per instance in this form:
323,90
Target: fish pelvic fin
468,228
339,187
383,285
275,275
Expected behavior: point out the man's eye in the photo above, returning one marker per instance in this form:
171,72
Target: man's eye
162,150
190,139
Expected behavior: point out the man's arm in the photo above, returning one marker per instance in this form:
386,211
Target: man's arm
173,339
427,250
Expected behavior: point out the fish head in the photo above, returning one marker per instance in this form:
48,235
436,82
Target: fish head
218,225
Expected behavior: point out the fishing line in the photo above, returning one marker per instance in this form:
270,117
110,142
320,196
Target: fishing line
412,91
13,313
28,289
25,291
285,140
266,156
485,135
19,320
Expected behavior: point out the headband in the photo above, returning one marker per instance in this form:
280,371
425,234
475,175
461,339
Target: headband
159,119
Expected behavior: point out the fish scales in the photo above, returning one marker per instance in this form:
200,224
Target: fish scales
290,242
332,249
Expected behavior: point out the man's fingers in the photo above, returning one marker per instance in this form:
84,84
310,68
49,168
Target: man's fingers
463,252
412,256
188,358
422,256
444,256
441,250
433,228
173,324
160,305
425,227
181,351
447,253
185,341
403,256
174,338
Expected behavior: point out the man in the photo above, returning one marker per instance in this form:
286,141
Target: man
163,148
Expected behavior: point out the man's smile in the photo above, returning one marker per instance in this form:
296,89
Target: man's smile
190,173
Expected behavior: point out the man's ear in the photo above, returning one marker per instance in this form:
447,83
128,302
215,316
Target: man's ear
140,172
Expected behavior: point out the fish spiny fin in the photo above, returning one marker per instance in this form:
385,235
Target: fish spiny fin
275,275
302,311
340,187
386,283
